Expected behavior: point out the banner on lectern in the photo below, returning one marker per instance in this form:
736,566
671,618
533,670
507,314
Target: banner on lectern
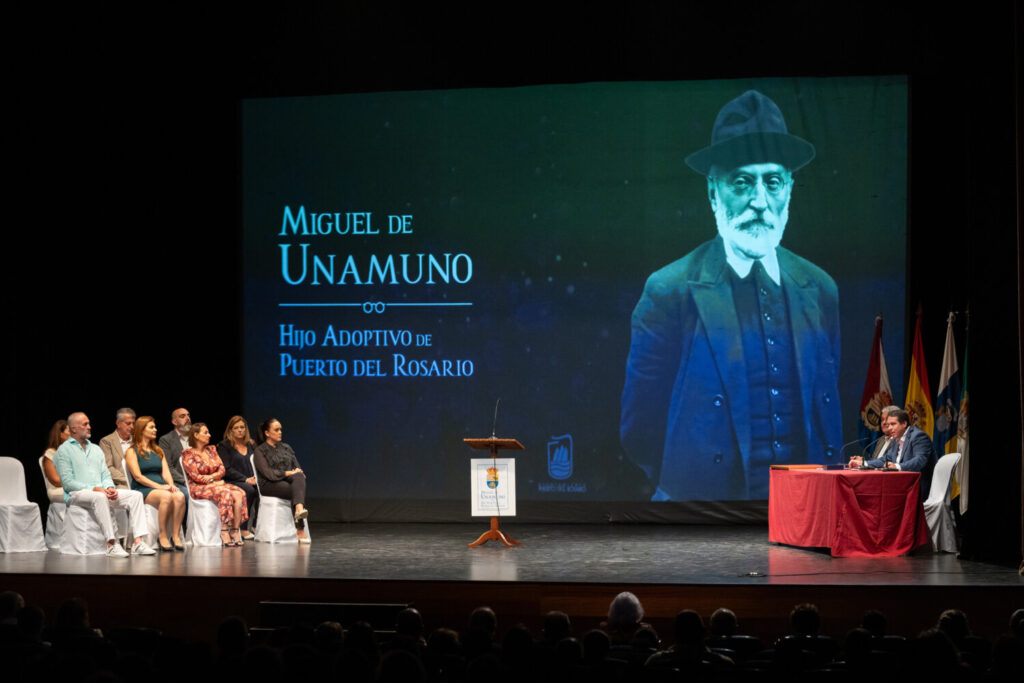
493,487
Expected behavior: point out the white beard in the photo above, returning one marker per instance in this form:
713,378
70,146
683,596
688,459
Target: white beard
752,241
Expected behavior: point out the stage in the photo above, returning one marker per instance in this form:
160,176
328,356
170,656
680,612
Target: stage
575,568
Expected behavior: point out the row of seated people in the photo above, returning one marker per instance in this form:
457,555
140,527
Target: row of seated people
621,648
132,467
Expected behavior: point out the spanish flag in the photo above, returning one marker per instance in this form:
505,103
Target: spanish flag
919,402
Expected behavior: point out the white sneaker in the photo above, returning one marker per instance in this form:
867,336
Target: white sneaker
116,551
141,548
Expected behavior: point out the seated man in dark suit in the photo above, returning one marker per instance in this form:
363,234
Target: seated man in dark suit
883,442
175,442
911,450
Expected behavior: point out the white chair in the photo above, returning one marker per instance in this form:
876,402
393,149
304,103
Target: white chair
203,520
54,517
82,534
21,527
937,512
275,522
54,525
152,537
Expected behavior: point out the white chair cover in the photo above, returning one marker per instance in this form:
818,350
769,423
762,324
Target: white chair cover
82,534
153,527
937,511
55,525
57,511
203,521
21,526
54,517
275,523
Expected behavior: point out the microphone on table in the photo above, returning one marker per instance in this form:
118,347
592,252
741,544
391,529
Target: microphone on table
842,451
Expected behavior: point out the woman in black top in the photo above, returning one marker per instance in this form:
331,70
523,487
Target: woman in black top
235,451
279,473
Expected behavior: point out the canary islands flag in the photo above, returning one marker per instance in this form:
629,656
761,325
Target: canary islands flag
947,403
960,475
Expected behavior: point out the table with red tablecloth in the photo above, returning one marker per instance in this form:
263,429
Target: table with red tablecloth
853,513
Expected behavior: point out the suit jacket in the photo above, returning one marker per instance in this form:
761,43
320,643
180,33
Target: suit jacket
879,444
685,403
111,447
171,445
918,456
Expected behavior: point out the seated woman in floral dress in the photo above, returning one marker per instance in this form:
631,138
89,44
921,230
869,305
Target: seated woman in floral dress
205,472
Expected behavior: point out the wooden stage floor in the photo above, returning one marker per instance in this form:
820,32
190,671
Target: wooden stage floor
575,568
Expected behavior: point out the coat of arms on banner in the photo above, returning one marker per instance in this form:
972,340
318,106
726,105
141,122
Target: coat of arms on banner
492,487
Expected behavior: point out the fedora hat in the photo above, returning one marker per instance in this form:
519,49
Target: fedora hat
750,130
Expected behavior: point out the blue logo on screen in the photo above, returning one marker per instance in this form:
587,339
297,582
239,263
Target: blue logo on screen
560,457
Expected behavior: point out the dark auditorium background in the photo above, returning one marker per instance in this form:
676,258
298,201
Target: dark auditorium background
123,249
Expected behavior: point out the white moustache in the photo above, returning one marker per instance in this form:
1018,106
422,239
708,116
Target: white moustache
750,222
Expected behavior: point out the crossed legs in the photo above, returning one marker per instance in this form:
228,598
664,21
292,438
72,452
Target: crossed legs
291,488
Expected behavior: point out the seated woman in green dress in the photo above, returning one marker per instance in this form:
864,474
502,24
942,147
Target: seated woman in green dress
148,474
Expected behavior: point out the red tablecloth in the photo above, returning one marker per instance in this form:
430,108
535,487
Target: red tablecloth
852,513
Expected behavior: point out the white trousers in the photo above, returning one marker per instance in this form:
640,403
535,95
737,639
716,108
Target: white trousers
99,505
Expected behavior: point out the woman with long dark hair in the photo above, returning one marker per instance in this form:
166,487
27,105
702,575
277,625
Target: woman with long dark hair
59,433
279,473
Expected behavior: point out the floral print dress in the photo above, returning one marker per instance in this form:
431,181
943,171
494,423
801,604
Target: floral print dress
199,467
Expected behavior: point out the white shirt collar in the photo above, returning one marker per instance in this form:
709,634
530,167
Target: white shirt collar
741,265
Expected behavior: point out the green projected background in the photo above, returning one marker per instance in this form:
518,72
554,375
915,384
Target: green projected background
411,257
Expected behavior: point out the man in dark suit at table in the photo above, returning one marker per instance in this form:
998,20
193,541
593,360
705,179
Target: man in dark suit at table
883,442
911,450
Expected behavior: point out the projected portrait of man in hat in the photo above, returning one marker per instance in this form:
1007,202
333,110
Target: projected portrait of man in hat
734,355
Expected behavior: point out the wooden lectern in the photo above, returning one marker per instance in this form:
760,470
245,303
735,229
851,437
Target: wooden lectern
494,444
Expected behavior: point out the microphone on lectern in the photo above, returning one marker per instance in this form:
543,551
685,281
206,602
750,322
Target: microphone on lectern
494,427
